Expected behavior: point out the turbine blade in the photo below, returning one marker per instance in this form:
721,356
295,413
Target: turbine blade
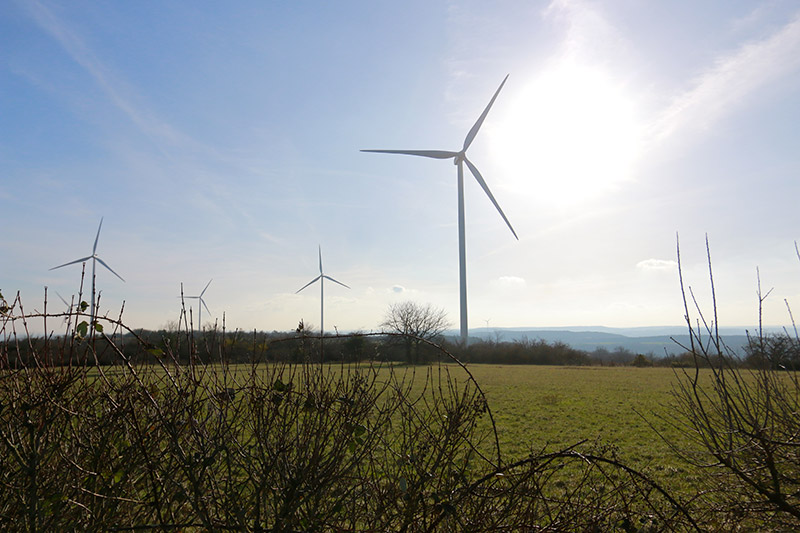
81,260
320,258
204,305
474,131
108,267
204,290
97,237
309,283
63,300
333,280
485,187
435,154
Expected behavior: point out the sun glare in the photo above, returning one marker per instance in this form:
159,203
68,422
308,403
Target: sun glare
570,135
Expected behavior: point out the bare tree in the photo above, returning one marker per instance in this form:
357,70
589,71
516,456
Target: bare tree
416,323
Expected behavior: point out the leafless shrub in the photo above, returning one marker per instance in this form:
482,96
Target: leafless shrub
742,425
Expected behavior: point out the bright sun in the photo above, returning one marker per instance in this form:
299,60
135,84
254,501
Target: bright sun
568,136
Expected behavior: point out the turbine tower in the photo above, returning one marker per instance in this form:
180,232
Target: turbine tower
322,277
459,159
200,304
95,259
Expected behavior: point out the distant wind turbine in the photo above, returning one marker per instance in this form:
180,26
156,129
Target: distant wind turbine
322,277
458,159
70,306
95,259
200,304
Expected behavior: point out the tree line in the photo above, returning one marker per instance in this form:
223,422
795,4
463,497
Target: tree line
238,347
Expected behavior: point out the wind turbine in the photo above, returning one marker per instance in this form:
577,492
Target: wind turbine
95,259
70,306
200,304
459,158
322,277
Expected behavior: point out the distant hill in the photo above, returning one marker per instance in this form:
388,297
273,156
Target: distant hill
656,340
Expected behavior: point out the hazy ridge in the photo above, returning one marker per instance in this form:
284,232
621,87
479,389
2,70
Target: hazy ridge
655,340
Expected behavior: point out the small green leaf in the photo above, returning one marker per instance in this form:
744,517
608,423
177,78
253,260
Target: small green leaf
155,351
84,306
82,328
98,327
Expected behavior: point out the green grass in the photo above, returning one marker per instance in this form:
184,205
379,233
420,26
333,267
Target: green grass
549,408
553,407
536,406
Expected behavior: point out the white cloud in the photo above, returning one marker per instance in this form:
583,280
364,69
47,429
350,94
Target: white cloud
508,282
657,264
730,80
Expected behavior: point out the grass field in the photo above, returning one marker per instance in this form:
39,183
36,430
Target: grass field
536,406
553,407
549,408
617,410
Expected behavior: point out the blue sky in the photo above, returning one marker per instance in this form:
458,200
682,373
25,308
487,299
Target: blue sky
221,140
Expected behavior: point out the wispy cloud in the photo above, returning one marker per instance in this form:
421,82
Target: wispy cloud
657,264
72,43
122,96
509,282
169,147
731,80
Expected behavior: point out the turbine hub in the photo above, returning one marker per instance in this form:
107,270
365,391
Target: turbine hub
460,156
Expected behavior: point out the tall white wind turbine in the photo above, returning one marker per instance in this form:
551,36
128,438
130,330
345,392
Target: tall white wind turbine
459,158
95,259
200,304
322,277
